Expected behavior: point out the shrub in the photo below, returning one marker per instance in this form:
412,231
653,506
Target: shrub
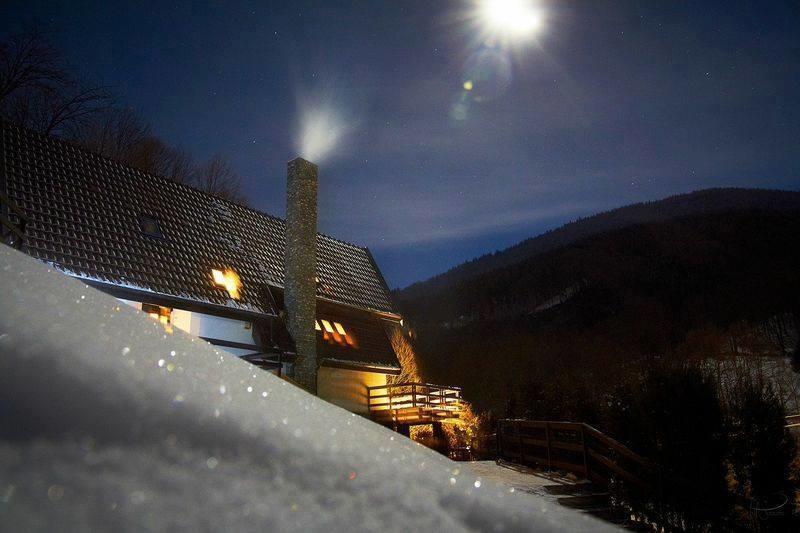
762,450
673,417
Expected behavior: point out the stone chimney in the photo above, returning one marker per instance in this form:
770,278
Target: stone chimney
300,266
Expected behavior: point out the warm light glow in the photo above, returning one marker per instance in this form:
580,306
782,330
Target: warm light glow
510,18
335,332
229,280
159,314
468,85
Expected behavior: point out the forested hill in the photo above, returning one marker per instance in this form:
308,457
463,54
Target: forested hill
695,203
696,286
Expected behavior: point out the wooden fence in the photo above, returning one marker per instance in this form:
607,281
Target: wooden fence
573,447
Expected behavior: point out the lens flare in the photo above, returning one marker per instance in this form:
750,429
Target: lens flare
490,74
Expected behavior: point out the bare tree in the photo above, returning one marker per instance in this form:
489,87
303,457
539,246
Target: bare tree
29,62
216,176
153,155
114,132
37,91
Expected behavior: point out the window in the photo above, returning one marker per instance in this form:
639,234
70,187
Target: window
150,226
158,313
334,332
229,280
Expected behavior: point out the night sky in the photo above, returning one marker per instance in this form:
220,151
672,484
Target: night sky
610,103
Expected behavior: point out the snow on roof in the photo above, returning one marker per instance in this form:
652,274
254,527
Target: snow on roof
110,422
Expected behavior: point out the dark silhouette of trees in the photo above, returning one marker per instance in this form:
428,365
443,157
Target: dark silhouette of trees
217,177
796,357
115,132
28,61
762,449
153,155
675,419
39,92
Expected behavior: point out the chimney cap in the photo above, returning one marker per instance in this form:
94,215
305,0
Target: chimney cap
301,162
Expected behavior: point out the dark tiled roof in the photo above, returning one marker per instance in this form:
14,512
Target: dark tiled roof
84,217
369,344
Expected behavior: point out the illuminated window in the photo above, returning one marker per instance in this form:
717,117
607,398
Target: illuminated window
156,312
150,226
228,280
334,332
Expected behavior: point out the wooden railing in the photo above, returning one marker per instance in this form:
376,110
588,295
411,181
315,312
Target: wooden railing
413,403
573,447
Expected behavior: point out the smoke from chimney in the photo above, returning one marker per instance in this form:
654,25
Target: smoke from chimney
300,265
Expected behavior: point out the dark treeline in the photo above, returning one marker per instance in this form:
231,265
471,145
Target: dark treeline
720,451
39,90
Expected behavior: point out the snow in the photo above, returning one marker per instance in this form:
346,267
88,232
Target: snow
110,422
519,477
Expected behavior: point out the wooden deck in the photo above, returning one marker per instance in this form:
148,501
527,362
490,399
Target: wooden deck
413,403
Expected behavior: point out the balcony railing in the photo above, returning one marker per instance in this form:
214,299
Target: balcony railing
414,403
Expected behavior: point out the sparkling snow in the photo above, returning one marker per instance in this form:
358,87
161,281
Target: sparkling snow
110,422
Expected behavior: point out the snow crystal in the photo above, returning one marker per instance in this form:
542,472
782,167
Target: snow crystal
96,435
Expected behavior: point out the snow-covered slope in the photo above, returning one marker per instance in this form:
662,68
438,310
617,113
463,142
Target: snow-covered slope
110,422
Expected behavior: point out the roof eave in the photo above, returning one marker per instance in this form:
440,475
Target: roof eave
168,300
359,366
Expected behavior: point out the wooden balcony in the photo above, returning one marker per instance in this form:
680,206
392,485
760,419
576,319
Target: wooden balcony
413,403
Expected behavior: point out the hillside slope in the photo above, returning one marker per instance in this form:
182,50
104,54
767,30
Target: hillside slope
701,202
589,308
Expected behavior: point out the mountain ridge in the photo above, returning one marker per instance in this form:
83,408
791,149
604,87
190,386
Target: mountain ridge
703,201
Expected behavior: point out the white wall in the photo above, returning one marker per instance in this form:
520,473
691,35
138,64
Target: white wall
215,327
347,388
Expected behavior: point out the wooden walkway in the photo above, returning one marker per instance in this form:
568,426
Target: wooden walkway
573,447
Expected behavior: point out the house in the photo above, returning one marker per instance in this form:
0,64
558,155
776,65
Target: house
316,310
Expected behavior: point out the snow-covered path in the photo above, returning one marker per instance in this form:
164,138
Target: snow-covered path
517,477
110,422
